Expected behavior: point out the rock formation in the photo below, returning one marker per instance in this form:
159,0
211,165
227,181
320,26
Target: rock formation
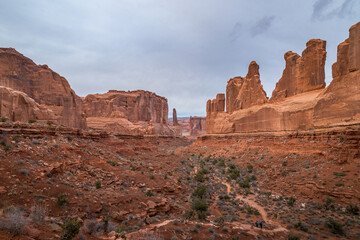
299,101
175,121
17,106
197,126
245,92
128,112
43,85
217,104
302,74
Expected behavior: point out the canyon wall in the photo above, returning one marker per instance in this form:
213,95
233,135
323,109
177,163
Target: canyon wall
300,100
44,86
132,112
197,126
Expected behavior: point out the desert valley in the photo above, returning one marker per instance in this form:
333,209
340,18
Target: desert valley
114,166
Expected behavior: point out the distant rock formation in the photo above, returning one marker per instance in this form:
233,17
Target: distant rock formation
245,92
197,126
299,101
302,74
175,121
44,86
138,112
217,104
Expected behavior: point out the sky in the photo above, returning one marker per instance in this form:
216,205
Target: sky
184,50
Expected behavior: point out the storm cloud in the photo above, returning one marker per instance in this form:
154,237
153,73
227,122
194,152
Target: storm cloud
183,50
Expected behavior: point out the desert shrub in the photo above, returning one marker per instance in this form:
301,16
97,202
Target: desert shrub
339,174
24,172
70,229
224,197
189,214
98,184
353,209
301,226
38,213
291,201
112,163
121,228
3,119
200,207
250,168
221,162
149,193
32,121
200,191
152,236
49,123
152,177
199,177
293,236
14,221
233,173
251,210
329,202
244,184
219,220
61,200
334,226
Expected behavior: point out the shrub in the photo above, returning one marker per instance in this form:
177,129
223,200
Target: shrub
199,177
200,191
189,214
328,203
352,208
149,193
14,222
200,207
61,200
244,184
291,201
219,220
221,162
301,226
250,168
38,213
70,229
334,226
233,173
112,163
339,174
32,121
152,177
98,184
49,123
252,210
293,236
3,119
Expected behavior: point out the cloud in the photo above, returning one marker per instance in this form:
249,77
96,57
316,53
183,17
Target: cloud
236,32
262,25
328,9
319,7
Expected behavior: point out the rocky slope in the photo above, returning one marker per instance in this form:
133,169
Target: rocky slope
43,85
299,101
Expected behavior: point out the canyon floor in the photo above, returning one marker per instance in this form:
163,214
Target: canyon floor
58,182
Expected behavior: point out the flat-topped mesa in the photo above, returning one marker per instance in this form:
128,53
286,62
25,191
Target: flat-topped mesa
302,73
43,85
132,105
216,105
245,92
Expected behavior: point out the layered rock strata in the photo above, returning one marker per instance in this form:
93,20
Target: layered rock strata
44,86
300,101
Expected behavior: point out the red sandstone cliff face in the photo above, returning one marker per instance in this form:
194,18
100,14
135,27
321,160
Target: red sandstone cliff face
132,112
300,101
302,74
245,92
43,85
17,106
197,126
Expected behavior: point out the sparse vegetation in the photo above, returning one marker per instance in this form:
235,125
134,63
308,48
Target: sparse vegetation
3,119
14,221
61,200
70,229
291,201
98,184
339,174
149,193
38,213
32,121
293,236
112,163
200,191
353,209
334,226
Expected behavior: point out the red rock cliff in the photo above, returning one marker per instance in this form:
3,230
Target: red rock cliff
132,112
43,85
302,74
245,92
300,101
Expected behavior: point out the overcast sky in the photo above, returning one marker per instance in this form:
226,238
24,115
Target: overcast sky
184,50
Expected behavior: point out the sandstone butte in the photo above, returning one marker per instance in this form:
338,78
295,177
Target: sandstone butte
132,112
35,92
300,100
